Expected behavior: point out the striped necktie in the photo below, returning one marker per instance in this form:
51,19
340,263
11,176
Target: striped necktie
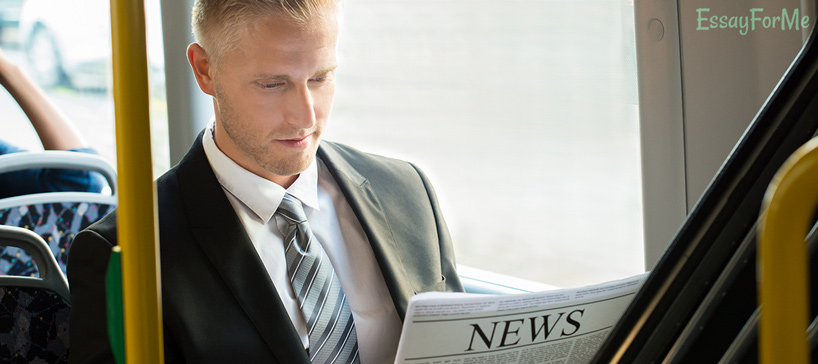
322,301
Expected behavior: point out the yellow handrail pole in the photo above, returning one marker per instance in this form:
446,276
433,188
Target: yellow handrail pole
136,219
787,210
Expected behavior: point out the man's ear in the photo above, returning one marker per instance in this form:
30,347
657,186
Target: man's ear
202,68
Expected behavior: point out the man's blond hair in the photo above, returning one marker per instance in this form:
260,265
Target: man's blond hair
217,24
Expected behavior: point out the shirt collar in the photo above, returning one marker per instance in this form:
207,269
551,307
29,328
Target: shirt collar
260,195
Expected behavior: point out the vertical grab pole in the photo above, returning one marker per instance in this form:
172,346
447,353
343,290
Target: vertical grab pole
783,261
137,202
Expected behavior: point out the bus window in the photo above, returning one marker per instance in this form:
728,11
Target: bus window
523,114
71,60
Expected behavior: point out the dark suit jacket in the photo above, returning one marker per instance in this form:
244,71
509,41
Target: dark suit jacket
219,305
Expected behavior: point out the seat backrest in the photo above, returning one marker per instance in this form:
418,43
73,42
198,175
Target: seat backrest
56,216
34,312
57,222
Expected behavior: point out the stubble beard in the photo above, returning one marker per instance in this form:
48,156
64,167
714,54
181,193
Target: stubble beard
260,149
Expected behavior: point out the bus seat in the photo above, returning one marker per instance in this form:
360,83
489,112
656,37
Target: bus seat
56,216
33,311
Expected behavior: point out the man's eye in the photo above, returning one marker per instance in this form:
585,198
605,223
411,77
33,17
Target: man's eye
319,79
271,85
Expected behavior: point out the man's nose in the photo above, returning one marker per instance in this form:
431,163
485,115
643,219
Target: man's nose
301,108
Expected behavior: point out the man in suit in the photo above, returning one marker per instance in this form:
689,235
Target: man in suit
227,294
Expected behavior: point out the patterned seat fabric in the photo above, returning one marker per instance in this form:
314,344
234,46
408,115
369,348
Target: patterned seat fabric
56,223
33,326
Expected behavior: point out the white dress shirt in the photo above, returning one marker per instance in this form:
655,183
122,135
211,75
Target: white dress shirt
336,227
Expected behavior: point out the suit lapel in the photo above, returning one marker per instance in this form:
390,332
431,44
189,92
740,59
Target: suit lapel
368,209
221,236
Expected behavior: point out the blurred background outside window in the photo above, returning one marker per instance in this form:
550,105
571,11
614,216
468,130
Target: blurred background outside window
522,112
66,47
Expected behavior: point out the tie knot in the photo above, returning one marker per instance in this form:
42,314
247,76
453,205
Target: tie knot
291,209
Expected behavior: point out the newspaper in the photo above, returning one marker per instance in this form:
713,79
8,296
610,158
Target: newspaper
564,326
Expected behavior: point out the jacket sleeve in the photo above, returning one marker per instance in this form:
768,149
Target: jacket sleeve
447,261
88,325
88,330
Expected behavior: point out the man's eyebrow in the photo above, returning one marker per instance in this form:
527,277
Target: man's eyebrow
327,70
269,76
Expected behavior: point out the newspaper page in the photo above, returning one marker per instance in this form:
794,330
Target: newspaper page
562,326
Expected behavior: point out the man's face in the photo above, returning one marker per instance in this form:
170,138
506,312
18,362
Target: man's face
273,95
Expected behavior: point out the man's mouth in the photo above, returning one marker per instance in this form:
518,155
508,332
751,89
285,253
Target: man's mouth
297,142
